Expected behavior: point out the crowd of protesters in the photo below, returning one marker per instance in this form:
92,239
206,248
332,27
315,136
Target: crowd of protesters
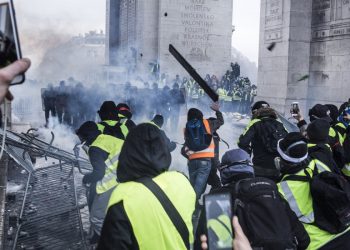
72,102
288,190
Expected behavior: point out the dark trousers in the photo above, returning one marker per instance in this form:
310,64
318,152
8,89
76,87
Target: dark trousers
47,112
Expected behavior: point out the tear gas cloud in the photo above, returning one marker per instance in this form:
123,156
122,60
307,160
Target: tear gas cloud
51,39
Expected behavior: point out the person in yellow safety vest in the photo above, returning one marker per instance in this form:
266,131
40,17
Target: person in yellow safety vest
222,96
343,123
219,227
108,114
103,154
318,147
124,118
109,120
294,160
136,218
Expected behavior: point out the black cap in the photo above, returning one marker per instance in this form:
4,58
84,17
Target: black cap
259,105
318,131
320,111
124,110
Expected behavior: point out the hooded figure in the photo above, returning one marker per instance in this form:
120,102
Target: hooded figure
318,146
135,217
103,152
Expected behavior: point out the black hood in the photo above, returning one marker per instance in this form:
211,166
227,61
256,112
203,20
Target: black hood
144,154
88,132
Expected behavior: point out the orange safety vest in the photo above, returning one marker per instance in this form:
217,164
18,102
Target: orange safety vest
209,152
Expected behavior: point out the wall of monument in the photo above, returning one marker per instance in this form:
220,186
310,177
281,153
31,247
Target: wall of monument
330,52
201,30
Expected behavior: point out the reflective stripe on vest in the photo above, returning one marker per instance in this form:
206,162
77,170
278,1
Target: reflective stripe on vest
112,146
222,228
209,152
151,225
305,217
123,127
342,136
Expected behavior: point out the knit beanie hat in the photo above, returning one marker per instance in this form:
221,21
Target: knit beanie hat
318,131
293,148
259,105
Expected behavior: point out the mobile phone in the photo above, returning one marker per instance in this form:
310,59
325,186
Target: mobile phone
218,212
294,110
10,50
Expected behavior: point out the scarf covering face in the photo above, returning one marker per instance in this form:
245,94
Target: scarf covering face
144,154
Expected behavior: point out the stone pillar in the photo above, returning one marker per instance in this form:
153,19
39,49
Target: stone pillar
112,31
287,23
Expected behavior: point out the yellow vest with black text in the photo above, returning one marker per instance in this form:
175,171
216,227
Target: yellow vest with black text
151,225
298,195
112,146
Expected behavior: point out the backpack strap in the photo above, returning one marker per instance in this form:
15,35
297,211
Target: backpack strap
169,208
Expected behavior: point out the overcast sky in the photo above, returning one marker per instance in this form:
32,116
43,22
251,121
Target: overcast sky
40,21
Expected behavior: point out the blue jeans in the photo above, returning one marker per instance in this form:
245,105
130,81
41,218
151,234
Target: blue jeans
199,170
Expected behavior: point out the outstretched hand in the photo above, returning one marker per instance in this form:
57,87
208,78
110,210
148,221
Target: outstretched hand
215,106
9,73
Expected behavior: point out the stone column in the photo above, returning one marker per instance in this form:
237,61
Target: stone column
287,24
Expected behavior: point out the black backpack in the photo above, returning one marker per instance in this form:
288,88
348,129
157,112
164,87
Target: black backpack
271,131
196,136
262,214
331,200
114,131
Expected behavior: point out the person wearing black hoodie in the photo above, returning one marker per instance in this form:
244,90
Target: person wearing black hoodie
318,147
263,124
103,154
136,219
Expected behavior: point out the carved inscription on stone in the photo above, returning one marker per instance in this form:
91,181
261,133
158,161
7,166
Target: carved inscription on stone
197,19
273,20
330,18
